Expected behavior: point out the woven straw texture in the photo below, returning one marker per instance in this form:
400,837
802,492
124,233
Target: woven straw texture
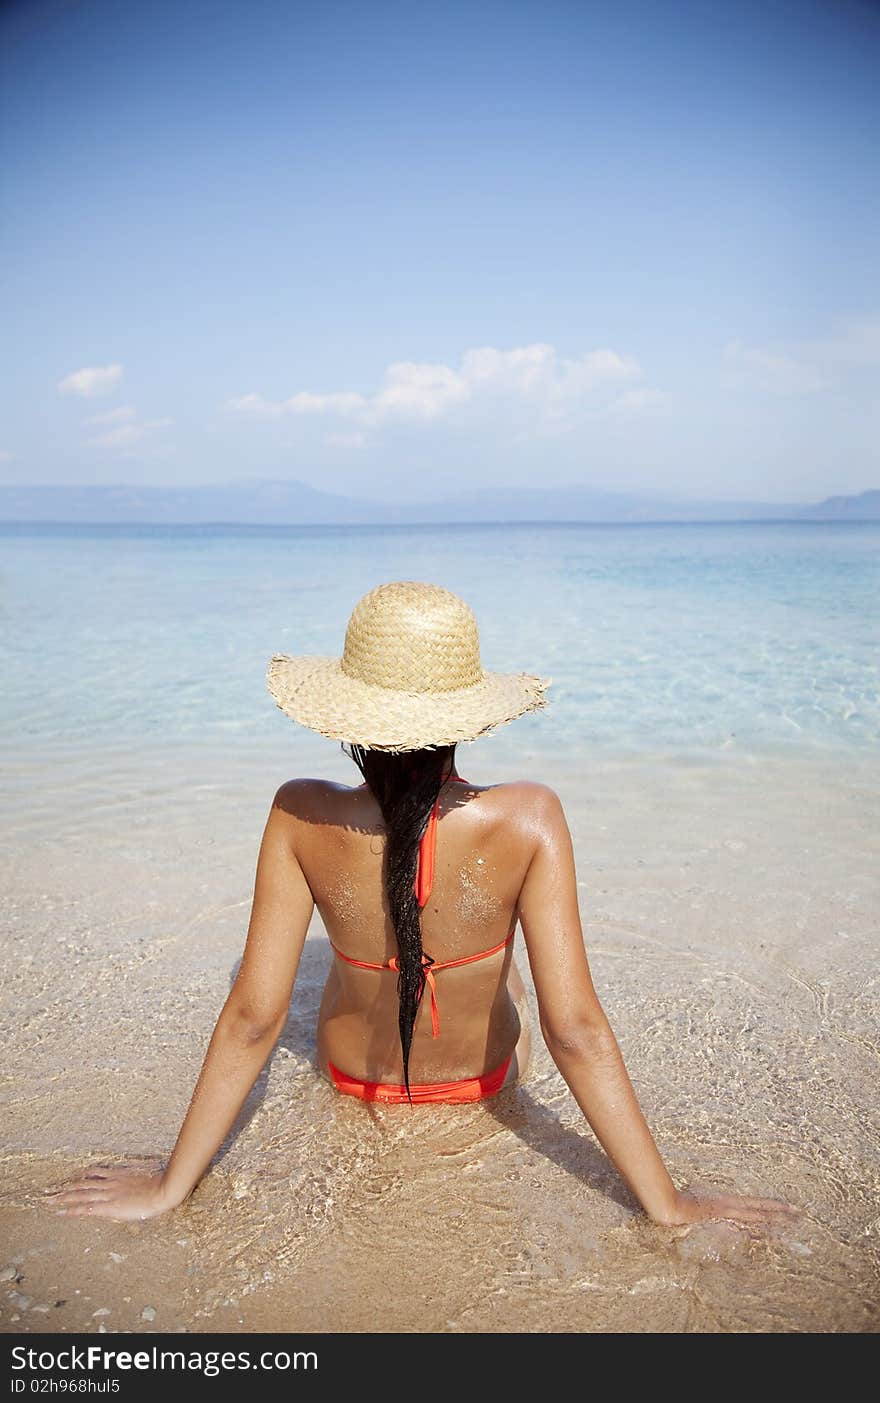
410,676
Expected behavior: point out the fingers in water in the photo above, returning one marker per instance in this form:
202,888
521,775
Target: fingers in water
88,1207
72,1200
87,1186
95,1172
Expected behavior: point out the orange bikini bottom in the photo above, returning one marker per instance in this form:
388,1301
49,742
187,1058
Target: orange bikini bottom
471,1089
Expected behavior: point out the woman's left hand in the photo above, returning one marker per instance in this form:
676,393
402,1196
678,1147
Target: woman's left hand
123,1192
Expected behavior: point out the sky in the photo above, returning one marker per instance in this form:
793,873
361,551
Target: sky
402,249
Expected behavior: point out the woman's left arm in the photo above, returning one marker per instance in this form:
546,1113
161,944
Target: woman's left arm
246,1031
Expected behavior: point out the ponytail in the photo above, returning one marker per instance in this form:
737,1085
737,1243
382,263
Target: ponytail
405,786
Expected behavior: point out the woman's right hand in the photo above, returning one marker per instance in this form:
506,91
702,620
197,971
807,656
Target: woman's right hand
123,1192
698,1208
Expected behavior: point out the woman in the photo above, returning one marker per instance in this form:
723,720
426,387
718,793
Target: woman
451,1026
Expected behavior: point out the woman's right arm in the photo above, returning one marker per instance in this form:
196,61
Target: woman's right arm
245,1033
580,1038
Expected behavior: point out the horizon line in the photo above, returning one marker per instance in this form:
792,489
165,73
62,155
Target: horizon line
467,525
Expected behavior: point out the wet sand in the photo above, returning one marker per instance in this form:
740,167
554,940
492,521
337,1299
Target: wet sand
731,911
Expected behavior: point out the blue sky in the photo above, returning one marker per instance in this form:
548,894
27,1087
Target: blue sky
396,249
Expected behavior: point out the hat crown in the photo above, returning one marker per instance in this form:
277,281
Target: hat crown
413,638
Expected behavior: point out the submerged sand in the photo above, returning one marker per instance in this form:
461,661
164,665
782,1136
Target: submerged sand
731,913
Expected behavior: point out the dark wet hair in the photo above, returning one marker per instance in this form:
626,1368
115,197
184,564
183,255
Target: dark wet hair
405,786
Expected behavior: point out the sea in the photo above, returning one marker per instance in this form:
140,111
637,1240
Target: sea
688,638
712,732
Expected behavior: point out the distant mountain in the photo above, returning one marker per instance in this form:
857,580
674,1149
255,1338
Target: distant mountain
261,503
584,504
865,507
267,502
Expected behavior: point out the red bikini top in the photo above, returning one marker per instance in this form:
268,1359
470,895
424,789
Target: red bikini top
424,884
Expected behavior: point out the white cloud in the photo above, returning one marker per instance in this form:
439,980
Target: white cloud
303,403
421,391
418,391
597,369
521,369
123,415
808,366
91,381
5,455
130,435
255,406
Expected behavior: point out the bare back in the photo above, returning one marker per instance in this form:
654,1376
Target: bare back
484,846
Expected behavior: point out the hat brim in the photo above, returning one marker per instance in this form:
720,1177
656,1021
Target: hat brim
317,693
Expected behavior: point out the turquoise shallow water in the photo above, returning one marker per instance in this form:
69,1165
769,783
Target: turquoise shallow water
668,638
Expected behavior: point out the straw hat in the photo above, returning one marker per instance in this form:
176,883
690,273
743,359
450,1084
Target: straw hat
410,677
